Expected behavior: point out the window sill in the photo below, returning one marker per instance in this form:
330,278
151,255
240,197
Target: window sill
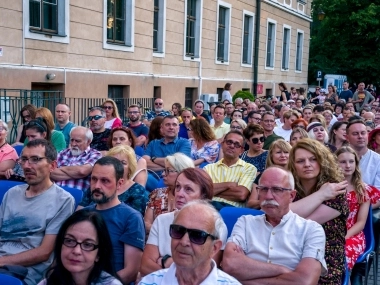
46,33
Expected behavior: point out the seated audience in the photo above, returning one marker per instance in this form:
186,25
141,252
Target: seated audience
337,135
90,263
374,140
297,134
184,119
155,130
139,129
202,243
8,155
278,154
317,131
112,114
238,125
285,130
97,119
219,127
27,113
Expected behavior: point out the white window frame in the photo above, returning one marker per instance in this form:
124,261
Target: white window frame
299,53
129,28
271,21
227,31
287,56
161,37
250,38
198,33
63,35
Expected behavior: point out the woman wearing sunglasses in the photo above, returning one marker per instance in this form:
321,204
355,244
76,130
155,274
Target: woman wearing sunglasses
255,155
112,114
191,184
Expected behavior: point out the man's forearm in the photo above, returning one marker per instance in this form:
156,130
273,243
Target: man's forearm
59,175
223,186
26,258
77,172
237,194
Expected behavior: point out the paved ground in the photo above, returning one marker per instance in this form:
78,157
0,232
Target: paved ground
370,281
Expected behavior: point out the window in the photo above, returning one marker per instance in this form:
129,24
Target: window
119,25
118,93
223,29
219,91
285,48
159,28
156,92
46,20
247,45
193,23
299,50
271,40
190,94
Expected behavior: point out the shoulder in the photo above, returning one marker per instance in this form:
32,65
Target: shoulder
154,277
166,217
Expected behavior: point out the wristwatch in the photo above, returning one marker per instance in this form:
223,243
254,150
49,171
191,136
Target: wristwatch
153,158
163,260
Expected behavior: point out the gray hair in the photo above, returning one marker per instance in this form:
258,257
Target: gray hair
179,161
98,109
289,175
5,125
206,206
88,133
239,100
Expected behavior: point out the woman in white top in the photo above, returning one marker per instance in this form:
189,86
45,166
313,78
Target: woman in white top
112,114
226,95
82,252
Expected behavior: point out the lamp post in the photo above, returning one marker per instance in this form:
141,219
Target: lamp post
321,15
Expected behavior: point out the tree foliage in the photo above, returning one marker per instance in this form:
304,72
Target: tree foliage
243,95
347,41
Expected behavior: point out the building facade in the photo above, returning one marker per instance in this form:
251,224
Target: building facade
173,49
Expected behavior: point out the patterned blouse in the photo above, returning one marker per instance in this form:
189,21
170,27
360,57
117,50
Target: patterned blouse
209,151
159,201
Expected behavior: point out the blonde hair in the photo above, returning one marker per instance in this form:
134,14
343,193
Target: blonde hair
129,153
179,161
330,171
47,115
115,112
241,123
356,179
282,145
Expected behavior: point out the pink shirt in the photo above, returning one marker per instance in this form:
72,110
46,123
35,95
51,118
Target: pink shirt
8,153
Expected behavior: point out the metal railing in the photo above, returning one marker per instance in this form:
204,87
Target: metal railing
12,100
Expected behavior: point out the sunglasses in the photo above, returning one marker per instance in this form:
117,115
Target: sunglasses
195,236
107,107
96,117
158,104
256,140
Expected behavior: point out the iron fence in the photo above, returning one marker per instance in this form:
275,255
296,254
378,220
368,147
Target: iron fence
12,100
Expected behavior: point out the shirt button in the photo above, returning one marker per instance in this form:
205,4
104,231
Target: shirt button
271,247
273,233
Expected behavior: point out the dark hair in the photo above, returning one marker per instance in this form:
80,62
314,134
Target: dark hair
179,107
266,107
251,129
318,108
282,84
169,117
235,111
155,129
334,127
117,165
130,134
199,101
58,274
353,122
40,126
134,106
31,109
227,86
250,114
266,113
235,132
220,107
202,179
50,151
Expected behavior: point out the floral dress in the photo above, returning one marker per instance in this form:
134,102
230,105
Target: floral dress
209,151
159,201
355,245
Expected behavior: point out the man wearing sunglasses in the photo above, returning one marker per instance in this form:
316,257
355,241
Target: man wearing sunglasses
96,120
194,242
158,110
232,176
288,250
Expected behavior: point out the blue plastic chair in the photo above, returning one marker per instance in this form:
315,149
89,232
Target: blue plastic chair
369,249
346,276
230,215
9,280
5,185
18,149
76,193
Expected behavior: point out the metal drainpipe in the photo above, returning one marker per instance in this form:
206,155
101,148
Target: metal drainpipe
256,48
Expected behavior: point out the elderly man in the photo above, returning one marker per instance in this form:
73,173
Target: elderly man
194,241
97,119
158,111
288,250
62,116
75,163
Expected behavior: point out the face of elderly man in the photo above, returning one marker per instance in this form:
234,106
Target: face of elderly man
188,255
275,193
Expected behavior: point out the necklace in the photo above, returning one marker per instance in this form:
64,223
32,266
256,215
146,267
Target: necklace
3,144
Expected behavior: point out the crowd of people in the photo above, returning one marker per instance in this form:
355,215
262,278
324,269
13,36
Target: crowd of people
153,188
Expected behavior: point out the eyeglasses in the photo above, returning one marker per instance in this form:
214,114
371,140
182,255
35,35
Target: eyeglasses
256,140
133,112
195,236
158,104
273,190
86,246
235,127
2,129
96,117
235,144
107,107
31,160
167,171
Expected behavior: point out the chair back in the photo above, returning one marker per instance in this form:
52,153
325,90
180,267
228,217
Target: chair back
369,237
5,185
230,215
9,280
18,149
76,193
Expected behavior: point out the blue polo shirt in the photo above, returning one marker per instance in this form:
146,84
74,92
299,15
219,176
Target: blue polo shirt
183,131
66,131
158,148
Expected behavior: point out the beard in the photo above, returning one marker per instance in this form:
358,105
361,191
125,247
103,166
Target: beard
76,151
103,199
132,119
158,109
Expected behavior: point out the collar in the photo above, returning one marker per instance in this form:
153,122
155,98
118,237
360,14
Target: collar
162,140
240,162
284,218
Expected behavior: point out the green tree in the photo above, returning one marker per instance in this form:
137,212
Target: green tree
243,95
347,41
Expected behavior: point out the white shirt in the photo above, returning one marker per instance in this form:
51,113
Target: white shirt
293,239
370,167
226,95
168,277
108,124
283,133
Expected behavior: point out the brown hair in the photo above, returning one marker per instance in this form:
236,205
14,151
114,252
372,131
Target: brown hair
155,129
129,132
202,130
252,129
47,115
200,178
31,109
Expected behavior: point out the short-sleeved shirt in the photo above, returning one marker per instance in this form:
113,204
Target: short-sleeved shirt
150,115
209,151
346,95
65,158
105,279
293,239
241,172
25,221
65,131
7,152
100,140
183,131
139,130
370,168
125,226
221,131
136,197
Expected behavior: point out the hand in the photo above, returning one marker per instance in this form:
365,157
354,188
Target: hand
331,190
8,173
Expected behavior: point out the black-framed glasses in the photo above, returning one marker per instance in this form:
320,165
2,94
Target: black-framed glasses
133,112
275,190
107,107
96,117
86,246
32,160
195,236
235,144
257,140
167,171
236,128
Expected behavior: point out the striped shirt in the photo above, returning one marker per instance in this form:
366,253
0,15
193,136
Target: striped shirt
241,172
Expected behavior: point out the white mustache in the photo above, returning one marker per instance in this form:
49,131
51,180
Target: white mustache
269,202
